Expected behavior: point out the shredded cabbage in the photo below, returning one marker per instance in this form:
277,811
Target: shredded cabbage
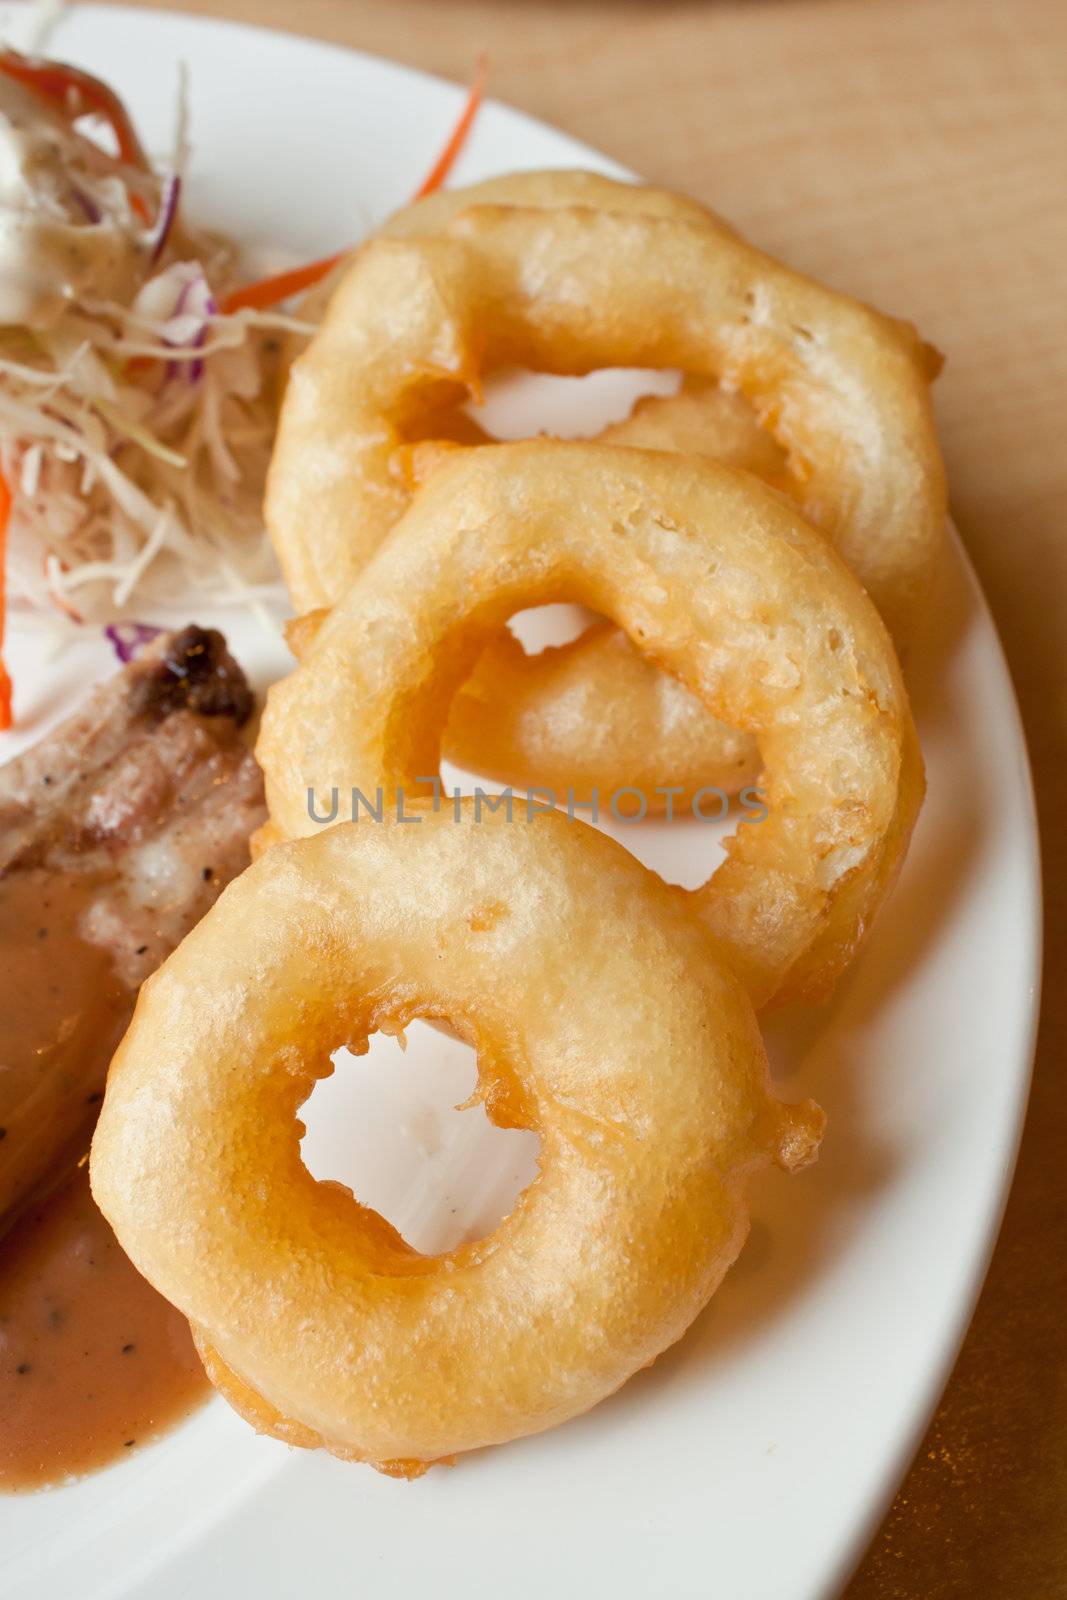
136,437
137,440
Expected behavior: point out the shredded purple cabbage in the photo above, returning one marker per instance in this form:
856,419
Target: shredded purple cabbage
128,639
208,307
168,210
88,205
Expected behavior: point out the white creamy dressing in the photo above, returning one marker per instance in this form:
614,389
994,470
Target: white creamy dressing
66,224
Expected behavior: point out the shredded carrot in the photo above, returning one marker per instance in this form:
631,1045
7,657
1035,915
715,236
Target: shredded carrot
458,138
5,680
269,291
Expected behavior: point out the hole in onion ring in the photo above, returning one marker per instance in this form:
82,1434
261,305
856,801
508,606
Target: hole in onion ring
519,404
490,728
683,849
387,1125
538,627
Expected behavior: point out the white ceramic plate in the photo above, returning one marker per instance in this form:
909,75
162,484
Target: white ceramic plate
753,1460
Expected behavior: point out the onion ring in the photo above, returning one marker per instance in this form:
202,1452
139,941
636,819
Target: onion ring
416,321
316,1320
512,272
721,583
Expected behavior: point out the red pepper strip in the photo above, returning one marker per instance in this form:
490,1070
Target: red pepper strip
5,681
449,155
77,94
269,291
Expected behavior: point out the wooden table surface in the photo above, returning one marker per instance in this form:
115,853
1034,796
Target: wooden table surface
913,152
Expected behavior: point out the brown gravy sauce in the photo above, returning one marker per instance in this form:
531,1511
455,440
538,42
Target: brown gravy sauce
62,1013
93,1362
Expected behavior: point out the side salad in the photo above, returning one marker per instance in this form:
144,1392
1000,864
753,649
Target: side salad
140,372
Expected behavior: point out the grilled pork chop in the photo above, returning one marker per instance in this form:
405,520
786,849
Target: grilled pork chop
117,832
